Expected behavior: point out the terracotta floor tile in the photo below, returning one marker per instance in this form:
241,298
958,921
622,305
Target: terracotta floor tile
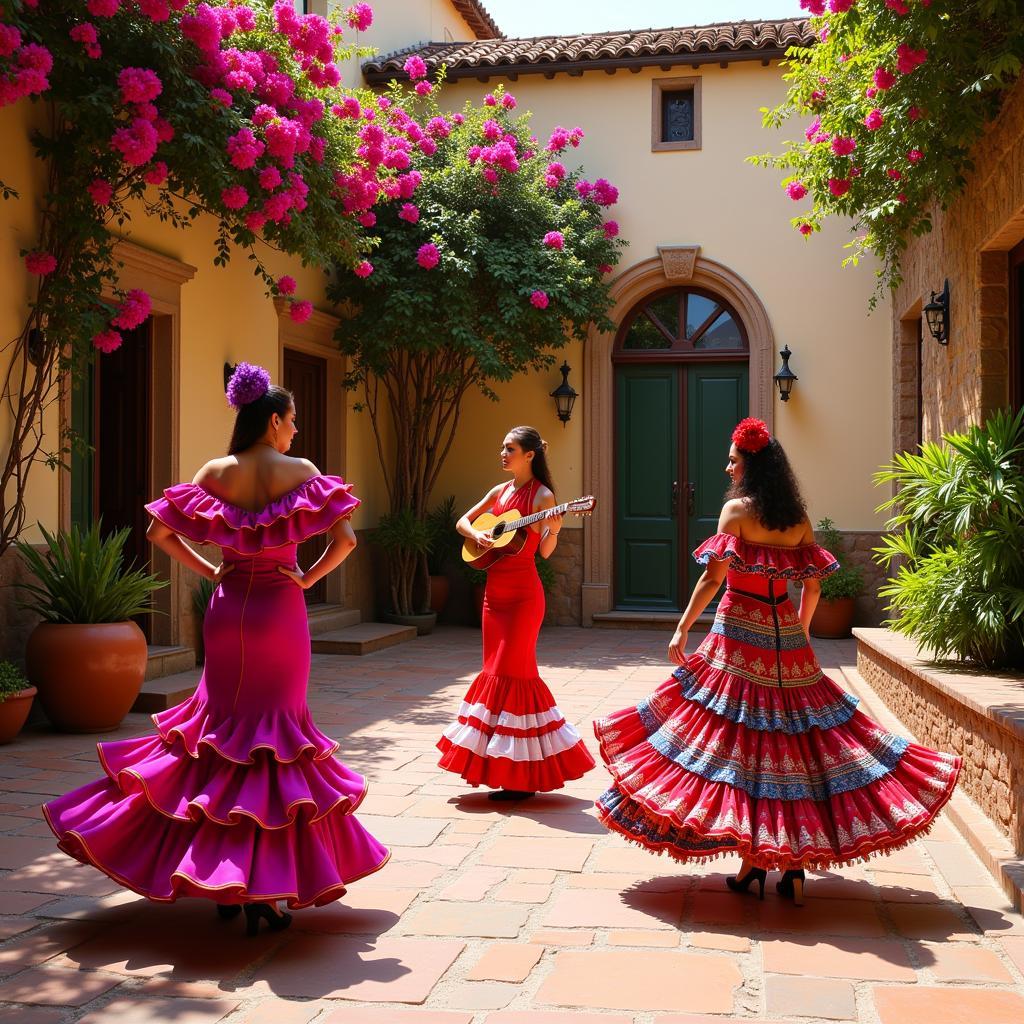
43,944
449,856
719,940
537,876
554,826
957,1005
543,1017
621,881
481,995
160,1011
487,920
642,937
473,884
863,959
950,961
407,830
813,997
990,909
894,887
506,961
631,859
1014,946
523,892
52,986
821,917
600,908
940,923
359,912
625,980
957,863
279,1011
372,1015
31,1015
20,851
560,854
11,926
23,902
558,937
409,874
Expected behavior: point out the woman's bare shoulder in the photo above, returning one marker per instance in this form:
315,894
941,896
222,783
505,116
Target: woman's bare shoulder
213,472
734,515
544,498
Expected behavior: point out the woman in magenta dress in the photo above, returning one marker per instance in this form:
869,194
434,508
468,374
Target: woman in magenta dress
748,748
510,735
237,797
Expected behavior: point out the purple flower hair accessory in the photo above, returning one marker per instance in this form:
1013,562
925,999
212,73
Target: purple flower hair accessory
247,383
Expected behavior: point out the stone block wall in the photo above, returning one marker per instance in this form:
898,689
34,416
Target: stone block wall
15,623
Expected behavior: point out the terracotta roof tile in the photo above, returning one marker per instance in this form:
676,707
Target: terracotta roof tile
477,18
742,40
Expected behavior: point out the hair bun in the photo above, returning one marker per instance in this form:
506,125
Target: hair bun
543,445
248,383
751,435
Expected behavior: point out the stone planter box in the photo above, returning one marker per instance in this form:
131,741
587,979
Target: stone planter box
959,709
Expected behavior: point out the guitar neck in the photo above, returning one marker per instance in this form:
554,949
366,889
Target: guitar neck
536,517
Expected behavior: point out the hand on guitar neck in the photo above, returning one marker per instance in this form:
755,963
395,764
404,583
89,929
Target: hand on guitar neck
507,532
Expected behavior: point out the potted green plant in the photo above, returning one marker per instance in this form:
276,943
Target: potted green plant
405,539
87,658
445,543
833,617
16,695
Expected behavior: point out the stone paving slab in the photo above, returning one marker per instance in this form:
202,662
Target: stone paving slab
498,914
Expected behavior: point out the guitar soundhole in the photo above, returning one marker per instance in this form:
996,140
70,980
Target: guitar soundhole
498,530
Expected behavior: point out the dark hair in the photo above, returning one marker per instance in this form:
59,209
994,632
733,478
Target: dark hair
529,439
252,419
769,485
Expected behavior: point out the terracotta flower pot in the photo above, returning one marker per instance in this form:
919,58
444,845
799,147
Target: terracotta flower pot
439,588
832,619
88,675
13,712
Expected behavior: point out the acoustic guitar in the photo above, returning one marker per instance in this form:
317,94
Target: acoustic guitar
508,531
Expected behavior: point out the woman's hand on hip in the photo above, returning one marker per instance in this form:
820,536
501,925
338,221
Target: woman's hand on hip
221,571
677,647
297,575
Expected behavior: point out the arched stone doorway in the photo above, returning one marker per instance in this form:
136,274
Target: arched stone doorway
675,271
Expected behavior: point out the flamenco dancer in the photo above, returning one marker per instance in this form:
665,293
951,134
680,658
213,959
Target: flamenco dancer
237,797
748,748
510,735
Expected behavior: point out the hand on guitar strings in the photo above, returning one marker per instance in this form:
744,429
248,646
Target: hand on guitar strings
553,524
483,538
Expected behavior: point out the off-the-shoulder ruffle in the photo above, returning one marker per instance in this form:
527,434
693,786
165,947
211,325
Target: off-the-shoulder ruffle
805,561
305,511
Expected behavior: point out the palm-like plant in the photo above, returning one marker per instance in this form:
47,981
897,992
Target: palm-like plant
956,540
81,578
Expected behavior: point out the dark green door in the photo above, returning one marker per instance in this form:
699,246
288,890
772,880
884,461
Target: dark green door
716,400
647,471
673,423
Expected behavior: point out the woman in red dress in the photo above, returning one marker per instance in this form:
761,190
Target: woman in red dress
748,748
510,735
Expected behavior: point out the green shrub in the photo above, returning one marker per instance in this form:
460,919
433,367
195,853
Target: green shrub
445,542
956,541
11,680
847,580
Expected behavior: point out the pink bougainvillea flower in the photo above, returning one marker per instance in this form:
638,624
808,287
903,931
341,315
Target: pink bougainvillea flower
492,130
428,147
136,143
539,299
558,141
100,191
269,178
914,113
894,174
102,8
139,85
490,100
234,197
134,309
107,341
221,96
901,197
409,212
368,219
812,129
428,256
157,174
908,59
244,149
359,16
884,79
458,118
901,7
915,155
10,40
157,11
611,228
806,229
84,33
604,268
286,284
415,67
843,146
554,240
871,92
41,263
840,6
556,170
604,193
508,101
364,269
796,190
423,88
874,120
300,312
813,7
839,186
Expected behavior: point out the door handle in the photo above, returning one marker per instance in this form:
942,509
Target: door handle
675,499
691,493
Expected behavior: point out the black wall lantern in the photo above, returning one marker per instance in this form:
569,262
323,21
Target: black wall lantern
229,368
564,396
785,378
936,313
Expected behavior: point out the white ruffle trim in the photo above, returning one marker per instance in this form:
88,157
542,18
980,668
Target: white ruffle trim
515,748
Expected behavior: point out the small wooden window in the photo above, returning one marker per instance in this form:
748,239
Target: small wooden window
675,114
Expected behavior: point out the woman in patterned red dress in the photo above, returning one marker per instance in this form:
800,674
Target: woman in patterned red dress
510,735
748,748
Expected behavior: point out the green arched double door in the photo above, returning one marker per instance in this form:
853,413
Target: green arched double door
681,384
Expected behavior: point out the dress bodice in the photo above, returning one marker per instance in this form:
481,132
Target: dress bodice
763,569
272,534
520,499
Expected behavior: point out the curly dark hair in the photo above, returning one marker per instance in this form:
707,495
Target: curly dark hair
770,486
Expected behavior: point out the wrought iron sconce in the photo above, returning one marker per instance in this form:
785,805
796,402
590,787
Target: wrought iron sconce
936,313
785,378
229,368
564,396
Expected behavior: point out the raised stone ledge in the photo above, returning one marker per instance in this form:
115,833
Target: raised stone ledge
976,714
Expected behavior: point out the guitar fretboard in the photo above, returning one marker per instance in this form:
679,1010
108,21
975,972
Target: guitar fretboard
536,517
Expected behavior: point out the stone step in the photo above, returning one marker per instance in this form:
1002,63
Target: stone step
619,619
166,691
324,618
364,638
169,660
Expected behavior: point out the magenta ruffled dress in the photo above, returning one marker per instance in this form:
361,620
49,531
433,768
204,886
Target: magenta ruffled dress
237,797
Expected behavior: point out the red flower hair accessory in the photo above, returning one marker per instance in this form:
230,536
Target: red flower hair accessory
751,435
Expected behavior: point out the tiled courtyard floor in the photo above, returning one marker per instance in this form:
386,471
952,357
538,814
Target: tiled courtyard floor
490,914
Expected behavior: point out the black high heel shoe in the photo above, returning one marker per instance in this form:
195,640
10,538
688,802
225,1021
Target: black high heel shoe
791,884
228,911
275,922
758,875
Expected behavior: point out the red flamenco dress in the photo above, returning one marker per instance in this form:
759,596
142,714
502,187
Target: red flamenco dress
509,733
237,796
749,749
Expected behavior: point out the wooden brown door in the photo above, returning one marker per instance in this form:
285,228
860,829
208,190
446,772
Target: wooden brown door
122,442
306,377
1016,352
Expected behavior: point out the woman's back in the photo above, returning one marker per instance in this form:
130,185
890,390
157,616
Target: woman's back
255,478
738,518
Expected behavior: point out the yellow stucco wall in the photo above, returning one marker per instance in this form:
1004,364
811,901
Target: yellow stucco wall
836,427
